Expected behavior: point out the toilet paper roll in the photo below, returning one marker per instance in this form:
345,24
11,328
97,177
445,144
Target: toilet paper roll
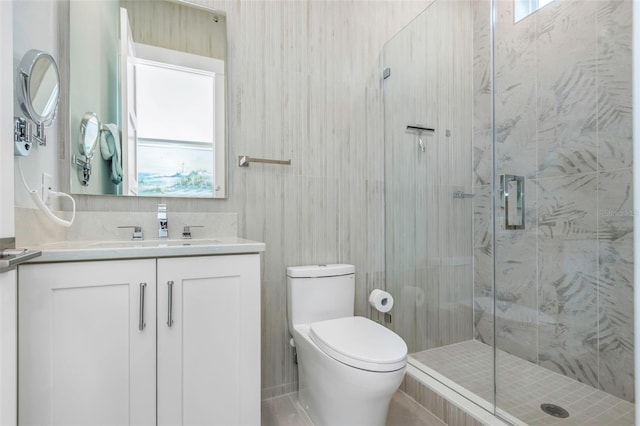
381,300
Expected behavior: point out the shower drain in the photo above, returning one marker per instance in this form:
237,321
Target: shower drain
555,410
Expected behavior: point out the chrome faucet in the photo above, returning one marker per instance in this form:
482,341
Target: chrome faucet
137,232
186,231
163,225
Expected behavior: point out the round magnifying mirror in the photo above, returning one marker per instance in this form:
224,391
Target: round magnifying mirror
39,86
89,134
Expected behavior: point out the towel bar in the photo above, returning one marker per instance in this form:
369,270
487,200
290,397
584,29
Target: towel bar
244,160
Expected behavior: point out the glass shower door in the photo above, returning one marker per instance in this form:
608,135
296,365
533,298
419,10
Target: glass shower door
430,195
563,222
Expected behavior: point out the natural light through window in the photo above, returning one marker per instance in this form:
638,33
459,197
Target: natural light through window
175,158
524,8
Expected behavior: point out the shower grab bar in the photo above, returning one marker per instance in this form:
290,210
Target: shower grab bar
504,185
244,160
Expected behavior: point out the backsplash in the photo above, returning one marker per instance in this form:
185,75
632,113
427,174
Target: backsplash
34,229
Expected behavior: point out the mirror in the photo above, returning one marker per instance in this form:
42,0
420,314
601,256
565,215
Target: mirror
39,86
89,132
156,70
88,138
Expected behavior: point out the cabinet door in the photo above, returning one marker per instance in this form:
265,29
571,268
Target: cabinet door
83,359
209,356
8,348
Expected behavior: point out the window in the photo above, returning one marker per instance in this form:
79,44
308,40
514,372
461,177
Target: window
524,8
176,128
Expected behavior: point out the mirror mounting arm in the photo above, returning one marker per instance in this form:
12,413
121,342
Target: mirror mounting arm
40,135
86,169
22,136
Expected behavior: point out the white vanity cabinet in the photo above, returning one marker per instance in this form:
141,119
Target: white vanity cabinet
87,343
209,347
84,359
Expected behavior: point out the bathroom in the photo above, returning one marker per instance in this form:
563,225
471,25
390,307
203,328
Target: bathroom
304,83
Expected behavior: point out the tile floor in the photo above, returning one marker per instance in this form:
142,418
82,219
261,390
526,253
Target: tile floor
523,386
404,411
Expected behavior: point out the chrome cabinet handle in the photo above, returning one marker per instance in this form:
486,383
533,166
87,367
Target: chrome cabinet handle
170,304
141,324
519,201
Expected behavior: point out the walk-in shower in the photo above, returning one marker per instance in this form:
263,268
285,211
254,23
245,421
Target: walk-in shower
509,228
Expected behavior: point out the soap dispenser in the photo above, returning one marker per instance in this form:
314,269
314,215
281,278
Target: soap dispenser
163,225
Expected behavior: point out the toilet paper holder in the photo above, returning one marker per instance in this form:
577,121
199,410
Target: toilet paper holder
381,301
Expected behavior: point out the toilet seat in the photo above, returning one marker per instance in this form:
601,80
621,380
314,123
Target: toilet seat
360,343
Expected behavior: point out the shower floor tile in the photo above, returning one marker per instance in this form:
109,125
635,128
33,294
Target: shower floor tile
522,386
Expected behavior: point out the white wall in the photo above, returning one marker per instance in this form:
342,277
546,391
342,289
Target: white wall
8,306
6,120
35,24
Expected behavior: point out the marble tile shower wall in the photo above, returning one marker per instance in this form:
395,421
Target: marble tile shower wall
564,285
304,83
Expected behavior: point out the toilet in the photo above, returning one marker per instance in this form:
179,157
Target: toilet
349,367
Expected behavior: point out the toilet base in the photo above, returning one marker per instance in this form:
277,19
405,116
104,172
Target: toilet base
335,394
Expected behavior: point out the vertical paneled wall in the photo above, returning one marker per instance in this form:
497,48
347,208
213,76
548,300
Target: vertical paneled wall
178,27
304,82
564,285
429,228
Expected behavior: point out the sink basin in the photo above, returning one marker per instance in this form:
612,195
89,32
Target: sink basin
152,243
63,251
97,245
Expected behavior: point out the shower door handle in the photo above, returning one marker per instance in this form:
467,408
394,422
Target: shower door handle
512,188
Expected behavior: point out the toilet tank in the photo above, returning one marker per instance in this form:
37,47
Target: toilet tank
319,292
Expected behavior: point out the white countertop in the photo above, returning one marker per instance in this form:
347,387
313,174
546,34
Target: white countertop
11,258
70,251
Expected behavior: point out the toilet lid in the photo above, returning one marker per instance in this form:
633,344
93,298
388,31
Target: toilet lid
361,343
